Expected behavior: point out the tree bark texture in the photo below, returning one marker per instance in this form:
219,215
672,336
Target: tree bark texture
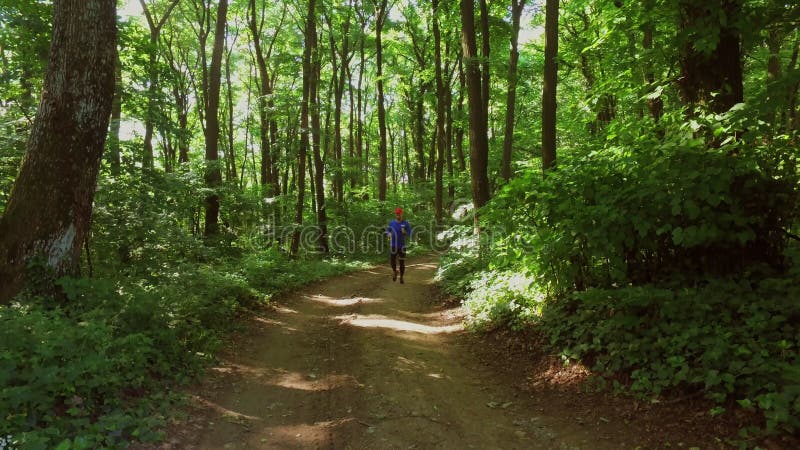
49,211
511,97
550,84
213,174
711,78
478,139
381,14
308,74
441,98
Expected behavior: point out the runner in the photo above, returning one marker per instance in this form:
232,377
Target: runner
398,230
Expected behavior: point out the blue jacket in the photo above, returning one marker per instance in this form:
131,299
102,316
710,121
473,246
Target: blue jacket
394,230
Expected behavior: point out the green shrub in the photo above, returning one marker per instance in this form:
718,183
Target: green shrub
63,379
503,298
728,339
652,211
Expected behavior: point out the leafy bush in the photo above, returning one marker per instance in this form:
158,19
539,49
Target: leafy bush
653,211
663,262
503,298
664,340
63,379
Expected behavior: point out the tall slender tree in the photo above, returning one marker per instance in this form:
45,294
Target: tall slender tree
478,134
213,174
316,131
380,18
550,84
155,25
508,142
308,73
441,99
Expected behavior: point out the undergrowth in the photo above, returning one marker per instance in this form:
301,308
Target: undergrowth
663,264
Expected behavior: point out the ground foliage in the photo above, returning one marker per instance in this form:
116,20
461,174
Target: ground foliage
664,264
97,366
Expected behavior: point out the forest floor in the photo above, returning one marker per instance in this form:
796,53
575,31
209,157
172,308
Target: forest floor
361,362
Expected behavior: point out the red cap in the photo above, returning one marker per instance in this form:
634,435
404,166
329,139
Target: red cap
398,211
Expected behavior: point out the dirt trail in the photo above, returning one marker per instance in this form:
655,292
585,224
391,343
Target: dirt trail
361,362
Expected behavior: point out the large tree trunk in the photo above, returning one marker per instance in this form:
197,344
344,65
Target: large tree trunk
381,14
478,139
50,207
713,79
550,84
213,175
511,97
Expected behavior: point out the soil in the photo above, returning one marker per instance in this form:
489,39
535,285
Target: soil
362,362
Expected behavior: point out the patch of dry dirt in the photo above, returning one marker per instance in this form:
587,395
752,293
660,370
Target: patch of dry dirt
361,362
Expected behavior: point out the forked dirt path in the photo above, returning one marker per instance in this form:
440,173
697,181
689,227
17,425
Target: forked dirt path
361,362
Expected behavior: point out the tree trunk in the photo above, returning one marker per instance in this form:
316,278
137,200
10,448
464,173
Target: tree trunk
550,85
264,94
485,85
359,112
791,116
308,75
654,105
381,14
116,119
478,139
441,98
147,155
340,77
713,79
50,207
230,155
773,74
155,26
213,176
351,141
508,141
462,88
419,135
319,179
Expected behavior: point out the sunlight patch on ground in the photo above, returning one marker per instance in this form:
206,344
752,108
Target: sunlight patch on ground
294,380
431,266
305,435
377,321
290,380
297,436
274,323
344,301
224,412
284,310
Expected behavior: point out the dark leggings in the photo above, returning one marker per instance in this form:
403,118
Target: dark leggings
398,253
